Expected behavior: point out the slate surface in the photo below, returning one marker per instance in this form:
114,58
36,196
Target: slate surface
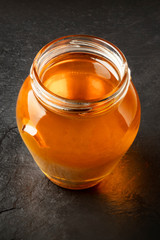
127,204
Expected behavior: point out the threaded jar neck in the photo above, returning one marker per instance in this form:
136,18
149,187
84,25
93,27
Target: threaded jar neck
79,44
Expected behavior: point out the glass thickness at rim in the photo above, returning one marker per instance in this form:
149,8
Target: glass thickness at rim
79,43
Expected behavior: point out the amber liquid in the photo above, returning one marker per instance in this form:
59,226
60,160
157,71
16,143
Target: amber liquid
77,151
80,76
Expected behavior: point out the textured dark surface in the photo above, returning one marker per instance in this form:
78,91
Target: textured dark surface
127,204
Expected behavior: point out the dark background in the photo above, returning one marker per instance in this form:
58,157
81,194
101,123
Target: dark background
126,205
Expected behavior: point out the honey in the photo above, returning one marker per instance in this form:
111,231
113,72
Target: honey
75,114
80,76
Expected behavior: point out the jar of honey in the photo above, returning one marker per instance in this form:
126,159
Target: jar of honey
78,111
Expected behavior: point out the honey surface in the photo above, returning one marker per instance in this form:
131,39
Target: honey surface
80,76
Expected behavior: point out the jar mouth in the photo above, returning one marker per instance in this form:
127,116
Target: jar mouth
83,44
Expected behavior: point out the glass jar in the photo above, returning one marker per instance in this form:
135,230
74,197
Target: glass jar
77,141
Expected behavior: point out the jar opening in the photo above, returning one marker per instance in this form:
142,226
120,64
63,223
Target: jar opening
79,73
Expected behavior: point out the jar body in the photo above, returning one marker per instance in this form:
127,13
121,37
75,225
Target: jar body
77,151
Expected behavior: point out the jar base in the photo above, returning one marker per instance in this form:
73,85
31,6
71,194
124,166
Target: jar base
73,185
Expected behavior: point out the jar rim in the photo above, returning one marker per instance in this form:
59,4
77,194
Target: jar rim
56,102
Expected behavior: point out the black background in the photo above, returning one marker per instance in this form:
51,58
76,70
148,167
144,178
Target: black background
126,205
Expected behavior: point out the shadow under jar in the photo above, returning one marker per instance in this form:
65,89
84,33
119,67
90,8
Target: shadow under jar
78,111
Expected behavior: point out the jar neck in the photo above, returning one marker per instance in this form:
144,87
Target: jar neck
79,44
